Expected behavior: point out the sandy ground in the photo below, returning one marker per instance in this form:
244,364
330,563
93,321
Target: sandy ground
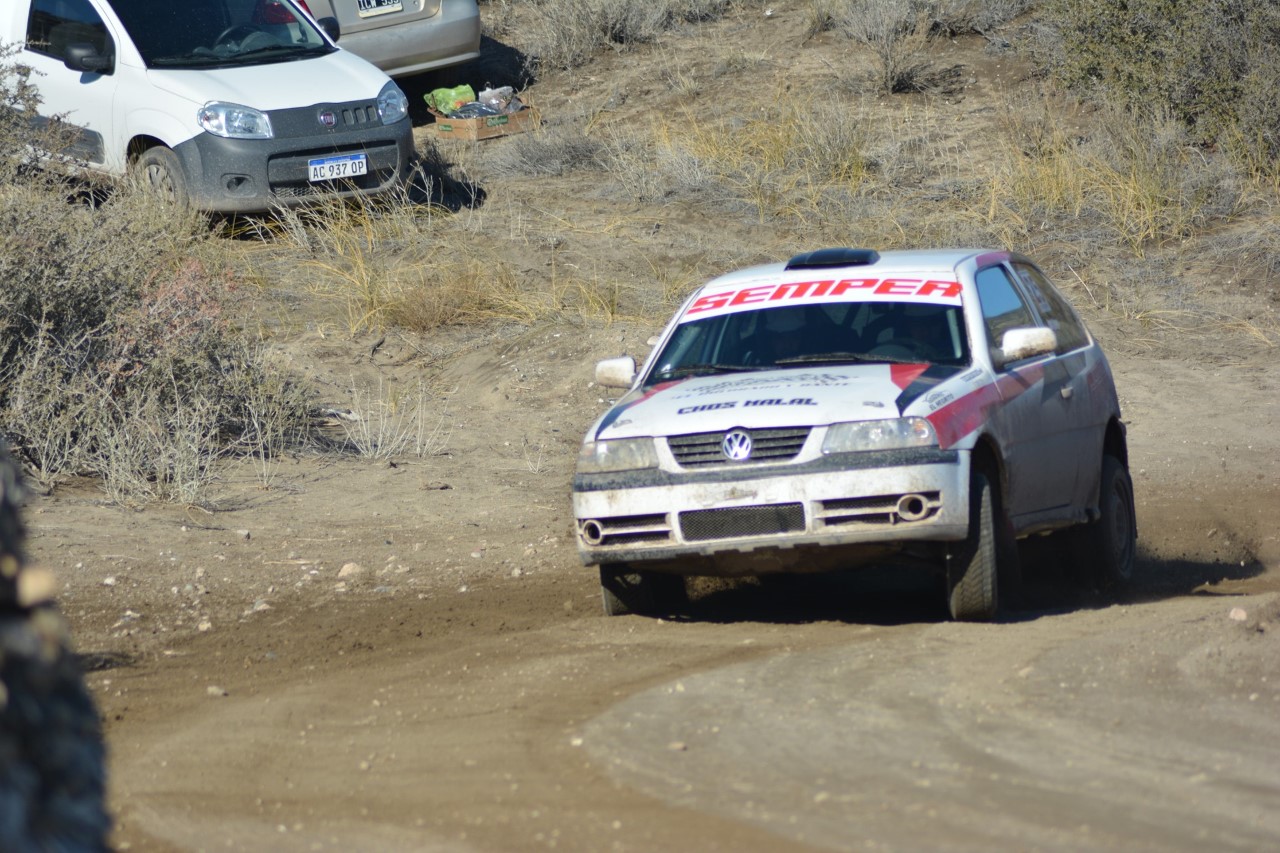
409,656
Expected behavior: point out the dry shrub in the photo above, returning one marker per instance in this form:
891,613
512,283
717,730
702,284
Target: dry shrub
564,34
1138,179
1211,64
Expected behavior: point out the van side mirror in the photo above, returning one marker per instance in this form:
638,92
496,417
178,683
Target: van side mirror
616,372
330,26
84,57
1018,344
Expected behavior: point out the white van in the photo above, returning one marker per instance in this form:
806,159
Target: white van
233,106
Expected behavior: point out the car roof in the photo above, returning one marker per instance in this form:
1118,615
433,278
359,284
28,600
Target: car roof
883,264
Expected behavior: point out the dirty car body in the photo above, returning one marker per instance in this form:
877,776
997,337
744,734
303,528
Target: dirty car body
404,37
849,407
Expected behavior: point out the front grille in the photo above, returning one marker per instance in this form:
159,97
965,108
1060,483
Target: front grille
767,445
739,522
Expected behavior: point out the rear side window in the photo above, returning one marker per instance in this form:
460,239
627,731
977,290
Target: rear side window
1002,307
55,24
1057,312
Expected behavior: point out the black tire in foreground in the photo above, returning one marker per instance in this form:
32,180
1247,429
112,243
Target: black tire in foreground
52,759
626,590
972,569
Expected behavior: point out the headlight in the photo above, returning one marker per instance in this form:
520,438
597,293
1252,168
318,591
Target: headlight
628,454
879,435
392,104
233,121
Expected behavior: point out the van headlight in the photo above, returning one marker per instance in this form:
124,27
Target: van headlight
392,104
895,434
232,121
626,454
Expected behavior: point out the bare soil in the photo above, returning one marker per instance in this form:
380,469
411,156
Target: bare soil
457,688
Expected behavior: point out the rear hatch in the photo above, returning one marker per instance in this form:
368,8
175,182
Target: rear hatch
356,16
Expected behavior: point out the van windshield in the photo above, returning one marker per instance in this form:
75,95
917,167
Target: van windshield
219,33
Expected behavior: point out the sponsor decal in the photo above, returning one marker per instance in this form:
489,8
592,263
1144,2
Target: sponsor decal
750,383
938,399
747,404
943,291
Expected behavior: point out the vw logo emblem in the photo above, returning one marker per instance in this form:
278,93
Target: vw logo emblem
328,118
736,445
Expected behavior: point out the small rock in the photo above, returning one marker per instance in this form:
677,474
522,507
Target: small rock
213,690
243,534
677,746
1238,614
350,570
517,572
204,626
109,581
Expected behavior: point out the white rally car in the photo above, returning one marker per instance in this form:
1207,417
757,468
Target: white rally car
848,407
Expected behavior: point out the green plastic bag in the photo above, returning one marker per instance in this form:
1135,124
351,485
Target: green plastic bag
447,100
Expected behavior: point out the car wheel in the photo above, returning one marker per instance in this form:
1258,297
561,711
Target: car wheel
1109,545
161,174
972,571
626,590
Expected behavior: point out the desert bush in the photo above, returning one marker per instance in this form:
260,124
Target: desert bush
563,34
118,355
1212,64
1137,180
556,151
782,160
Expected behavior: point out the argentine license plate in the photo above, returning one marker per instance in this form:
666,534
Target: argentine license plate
369,8
337,168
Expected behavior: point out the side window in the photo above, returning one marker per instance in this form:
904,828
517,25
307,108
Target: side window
54,24
1055,309
1002,307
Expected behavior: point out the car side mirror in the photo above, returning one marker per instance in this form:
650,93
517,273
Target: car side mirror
616,372
84,57
1018,344
330,26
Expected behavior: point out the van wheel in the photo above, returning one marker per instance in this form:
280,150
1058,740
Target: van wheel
161,174
626,590
972,569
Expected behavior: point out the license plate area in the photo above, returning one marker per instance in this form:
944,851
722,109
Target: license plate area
337,168
369,8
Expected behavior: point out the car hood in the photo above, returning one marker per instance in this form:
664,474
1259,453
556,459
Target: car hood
339,76
774,398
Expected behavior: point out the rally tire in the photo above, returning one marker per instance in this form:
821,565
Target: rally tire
1107,547
973,569
625,590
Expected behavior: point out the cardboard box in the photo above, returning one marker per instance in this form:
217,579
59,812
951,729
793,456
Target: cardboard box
484,127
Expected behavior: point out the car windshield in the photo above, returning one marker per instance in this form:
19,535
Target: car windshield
219,33
829,333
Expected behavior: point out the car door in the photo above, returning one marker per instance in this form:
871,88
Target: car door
1029,420
84,100
1082,425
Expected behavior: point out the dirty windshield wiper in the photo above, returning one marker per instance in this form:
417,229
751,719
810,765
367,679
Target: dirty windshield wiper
708,369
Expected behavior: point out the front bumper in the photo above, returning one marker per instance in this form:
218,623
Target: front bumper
256,175
880,501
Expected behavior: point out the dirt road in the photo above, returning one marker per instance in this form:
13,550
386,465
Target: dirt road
367,657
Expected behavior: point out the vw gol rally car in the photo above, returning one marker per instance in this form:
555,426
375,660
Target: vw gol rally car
848,407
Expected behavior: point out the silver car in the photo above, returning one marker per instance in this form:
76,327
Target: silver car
852,406
404,37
